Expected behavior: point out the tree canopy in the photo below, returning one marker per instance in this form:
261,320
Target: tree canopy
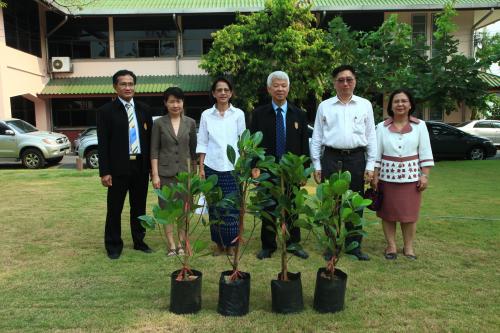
281,37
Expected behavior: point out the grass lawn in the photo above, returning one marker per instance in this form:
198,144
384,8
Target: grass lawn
55,275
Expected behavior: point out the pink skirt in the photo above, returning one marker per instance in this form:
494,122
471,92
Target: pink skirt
400,202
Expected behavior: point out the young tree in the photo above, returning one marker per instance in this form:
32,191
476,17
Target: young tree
281,37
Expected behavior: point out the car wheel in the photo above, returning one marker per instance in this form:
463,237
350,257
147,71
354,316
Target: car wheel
92,158
33,159
476,153
55,160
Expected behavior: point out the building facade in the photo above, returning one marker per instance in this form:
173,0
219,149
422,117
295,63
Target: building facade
57,62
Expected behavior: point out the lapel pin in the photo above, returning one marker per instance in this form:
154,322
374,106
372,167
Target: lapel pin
145,126
296,125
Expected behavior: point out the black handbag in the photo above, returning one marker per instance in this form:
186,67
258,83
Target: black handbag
376,197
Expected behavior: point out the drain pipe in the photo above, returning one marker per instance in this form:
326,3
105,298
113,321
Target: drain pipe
472,48
179,45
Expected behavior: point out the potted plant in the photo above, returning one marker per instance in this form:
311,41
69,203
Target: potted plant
234,285
335,205
284,188
181,202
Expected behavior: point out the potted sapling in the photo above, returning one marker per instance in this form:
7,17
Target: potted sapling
334,206
181,202
234,284
291,208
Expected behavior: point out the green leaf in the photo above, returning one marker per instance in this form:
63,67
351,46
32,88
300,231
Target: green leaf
199,245
340,186
231,154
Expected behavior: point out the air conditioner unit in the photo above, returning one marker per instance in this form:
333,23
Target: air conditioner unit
61,64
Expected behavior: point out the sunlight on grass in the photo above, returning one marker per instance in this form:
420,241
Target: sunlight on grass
55,275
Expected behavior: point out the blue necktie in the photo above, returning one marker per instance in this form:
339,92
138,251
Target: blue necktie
280,134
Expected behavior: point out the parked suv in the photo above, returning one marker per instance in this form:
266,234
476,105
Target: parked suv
20,141
87,149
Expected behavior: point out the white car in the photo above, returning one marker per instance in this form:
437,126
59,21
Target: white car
487,128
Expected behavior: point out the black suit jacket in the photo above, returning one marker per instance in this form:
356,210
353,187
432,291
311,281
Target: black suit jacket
113,137
297,140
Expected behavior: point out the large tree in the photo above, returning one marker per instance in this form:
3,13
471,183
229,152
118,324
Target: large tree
281,37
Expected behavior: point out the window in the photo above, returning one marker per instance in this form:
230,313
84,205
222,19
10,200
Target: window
22,108
419,29
79,38
434,51
147,37
22,27
76,112
197,34
3,128
436,114
419,112
495,124
483,124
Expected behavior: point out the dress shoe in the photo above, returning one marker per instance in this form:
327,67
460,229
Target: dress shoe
299,253
264,253
144,248
360,255
114,255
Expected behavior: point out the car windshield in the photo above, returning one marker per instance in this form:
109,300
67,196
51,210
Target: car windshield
92,131
463,124
21,126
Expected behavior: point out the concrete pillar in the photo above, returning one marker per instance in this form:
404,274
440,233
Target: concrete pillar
5,111
111,39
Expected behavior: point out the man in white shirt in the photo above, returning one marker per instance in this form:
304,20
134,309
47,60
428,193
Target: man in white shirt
344,137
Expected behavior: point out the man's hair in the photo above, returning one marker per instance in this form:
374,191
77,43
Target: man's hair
342,68
123,72
277,75
173,91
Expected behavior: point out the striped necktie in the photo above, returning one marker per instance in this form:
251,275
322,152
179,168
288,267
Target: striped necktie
280,134
132,130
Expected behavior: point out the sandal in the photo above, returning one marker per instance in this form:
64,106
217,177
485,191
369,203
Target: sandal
171,253
391,255
180,251
409,256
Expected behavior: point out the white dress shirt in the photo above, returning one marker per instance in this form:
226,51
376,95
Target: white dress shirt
135,121
216,132
344,126
402,153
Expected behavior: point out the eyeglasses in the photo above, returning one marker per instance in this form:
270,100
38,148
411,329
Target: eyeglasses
219,90
343,80
126,84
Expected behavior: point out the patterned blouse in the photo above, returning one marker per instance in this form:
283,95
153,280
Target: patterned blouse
402,153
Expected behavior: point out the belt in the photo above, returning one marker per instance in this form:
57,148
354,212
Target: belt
346,151
135,157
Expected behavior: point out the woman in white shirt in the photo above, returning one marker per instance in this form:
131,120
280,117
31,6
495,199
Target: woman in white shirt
401,171
221,125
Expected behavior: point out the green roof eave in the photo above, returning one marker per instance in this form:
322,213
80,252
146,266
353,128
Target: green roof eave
144,7
492,80
148,84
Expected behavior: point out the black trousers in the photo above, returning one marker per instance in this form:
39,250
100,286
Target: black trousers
355,163
268,230
136,184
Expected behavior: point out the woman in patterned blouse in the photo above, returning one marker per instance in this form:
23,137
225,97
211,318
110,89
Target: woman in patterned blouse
401,171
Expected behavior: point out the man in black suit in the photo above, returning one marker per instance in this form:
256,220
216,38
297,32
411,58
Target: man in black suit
124,133
280,121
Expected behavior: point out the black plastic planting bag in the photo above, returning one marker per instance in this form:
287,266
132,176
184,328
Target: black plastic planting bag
234,296
329,294
185,296
287,295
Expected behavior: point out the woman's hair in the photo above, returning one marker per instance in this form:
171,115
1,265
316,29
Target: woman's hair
214,85
413,106
173,91
221,79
